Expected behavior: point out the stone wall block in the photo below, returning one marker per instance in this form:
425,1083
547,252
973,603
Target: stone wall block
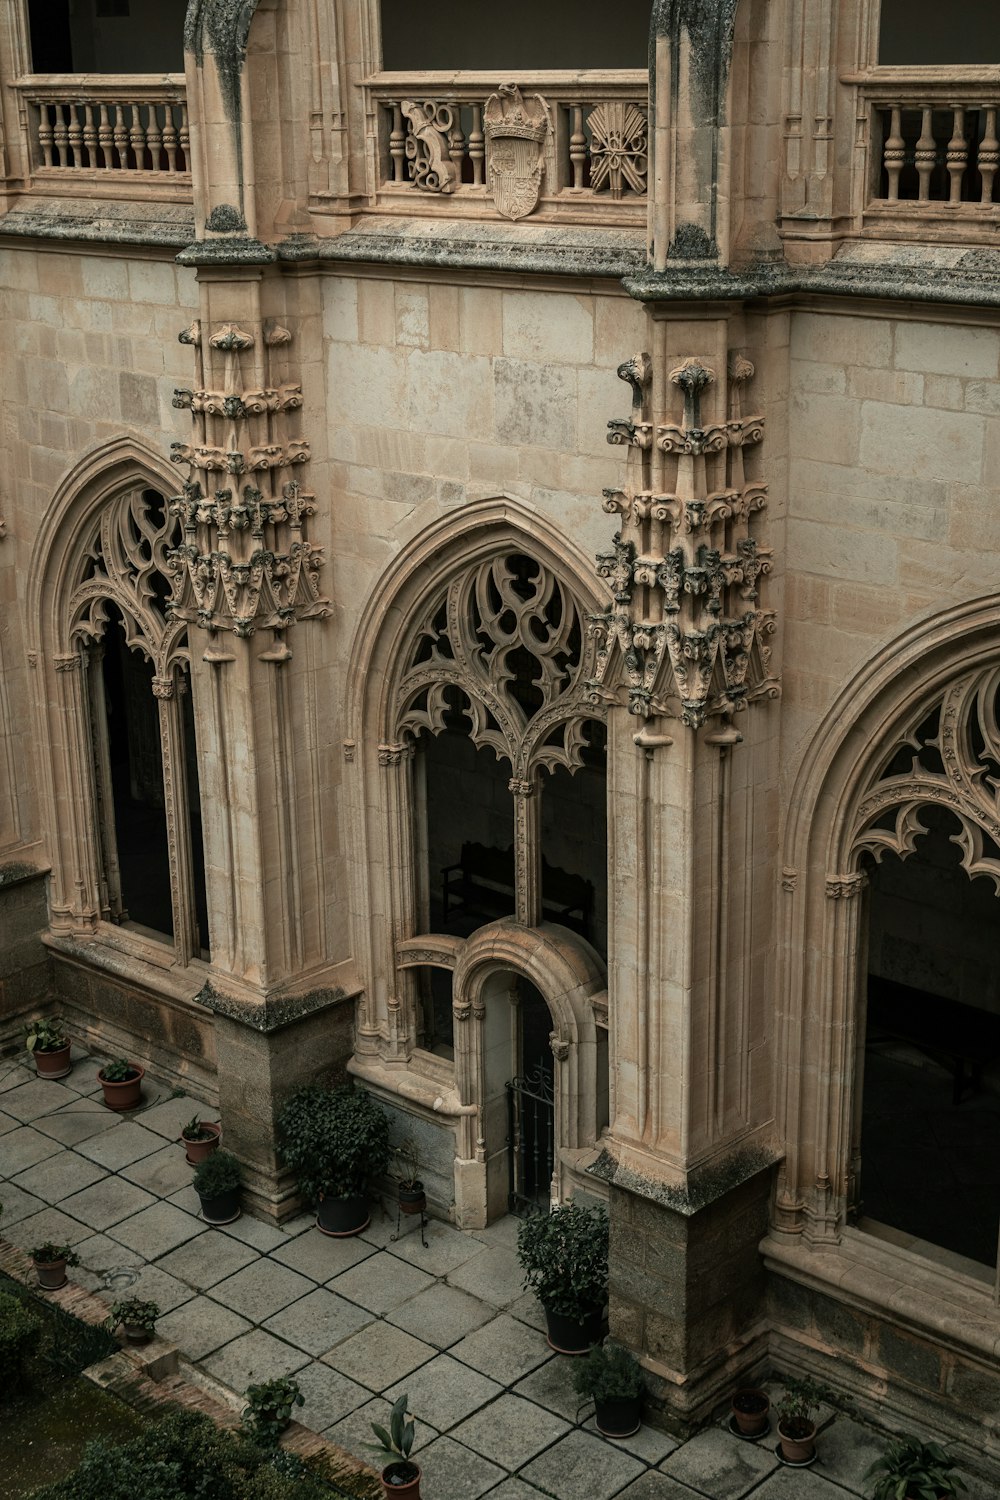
906,1357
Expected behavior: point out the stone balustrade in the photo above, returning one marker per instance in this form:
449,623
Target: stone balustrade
98,124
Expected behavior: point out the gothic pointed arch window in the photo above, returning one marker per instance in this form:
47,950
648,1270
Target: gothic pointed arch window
139,722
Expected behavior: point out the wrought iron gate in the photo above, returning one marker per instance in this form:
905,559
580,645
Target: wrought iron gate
530,1141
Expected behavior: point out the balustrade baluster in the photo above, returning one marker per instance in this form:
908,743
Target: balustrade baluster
154,136
170,137
90,134
185,137
61,136
105,140
137,138
75,136
397,145
894,153
926,154
456,143
957,154
577,145
45,115
120,134
989,155
477,146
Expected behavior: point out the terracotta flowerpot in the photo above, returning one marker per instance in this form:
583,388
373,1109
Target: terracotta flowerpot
124,1095
51,1274
799,1446
408,1490
412,1199
224,1208
619,1417
751,1407
196,1151
342,1217
135,1333
571,1335
55,1063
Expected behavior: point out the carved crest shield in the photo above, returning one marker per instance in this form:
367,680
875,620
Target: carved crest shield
515,129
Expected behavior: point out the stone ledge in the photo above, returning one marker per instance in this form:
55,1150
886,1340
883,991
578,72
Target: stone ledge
164,225
703,1188
273,1012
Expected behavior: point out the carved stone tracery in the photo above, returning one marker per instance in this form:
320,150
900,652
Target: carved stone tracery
685,633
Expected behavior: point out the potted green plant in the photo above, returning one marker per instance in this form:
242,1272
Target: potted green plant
121,1082
50,1262
400,1473
564,1256
49,1046
611,1377
217,1182
796,1421
269,1409
912,1470
335,1141
412,1198
136,1319
751,1408
200,1138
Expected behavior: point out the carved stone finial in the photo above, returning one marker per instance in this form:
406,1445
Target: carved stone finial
638,372
692,377
740,368
229,339
191,334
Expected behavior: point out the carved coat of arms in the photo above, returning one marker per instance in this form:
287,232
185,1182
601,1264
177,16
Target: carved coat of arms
515,129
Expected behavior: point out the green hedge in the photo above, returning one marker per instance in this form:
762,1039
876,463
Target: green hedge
19,1330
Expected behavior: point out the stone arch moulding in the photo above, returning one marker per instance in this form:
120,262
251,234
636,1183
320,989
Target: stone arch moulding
822,922
61,707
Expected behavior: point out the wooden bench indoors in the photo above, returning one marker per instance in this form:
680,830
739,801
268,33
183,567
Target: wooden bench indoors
482,884
959,1035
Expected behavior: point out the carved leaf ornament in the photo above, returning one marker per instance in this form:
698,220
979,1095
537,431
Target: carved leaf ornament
949,758
505,645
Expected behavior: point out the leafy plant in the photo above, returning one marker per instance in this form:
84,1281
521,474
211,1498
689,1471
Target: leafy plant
48,1253
912,1470
609,1373
217,1174
408,1163
798,1406
334,1140
133,1312
45,1035
117,1070
197,1130
564,1256
269,1409
19,1328
395,1444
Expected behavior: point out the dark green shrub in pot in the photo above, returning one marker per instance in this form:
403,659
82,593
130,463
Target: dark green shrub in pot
335,1141
611,1377
564,1256
912,1470
217,1182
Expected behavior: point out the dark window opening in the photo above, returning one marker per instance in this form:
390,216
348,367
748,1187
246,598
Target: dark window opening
575,841
436,1020
194,816
106,36
521,35
469,814
923,33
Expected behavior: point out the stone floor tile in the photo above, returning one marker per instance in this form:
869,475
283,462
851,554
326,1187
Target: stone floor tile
14,1071
23,1147
321,1258
207,1259
382,1227
514,1489
261,1289
35,1229
503,1349
495,1276
318,1321
34,1097
551,1385
254,1357
100,1258
379,1356
648,1443
441,1314
151,1284
60,1176
720,1466
163,1173
528,1309
119,1148
511,1430
655,1485
17,1204
186,1198
445,1392
380,1283
107,1202
77,1121
7,1122
200,1326
452,1470
83,1079
798,1484
500,1232
447,1248
292,1228
846,1451
581,1464
353,1432
329,1395
169,1117
158,1229
250,1231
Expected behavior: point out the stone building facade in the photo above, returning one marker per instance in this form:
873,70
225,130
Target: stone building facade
336,354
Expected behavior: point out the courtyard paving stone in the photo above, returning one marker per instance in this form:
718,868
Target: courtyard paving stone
329,1396
49,1224
207,1259
447,1248
655,1485
108,1201
514,1489
261,1289
13,1073
23,1147
252,1358
59,1177
77,1121
798,1484
848,1450
720,1466
494,1276
119,1148
551,1385
319,1321
83,1079
648,1443
321,1258
253,1232
100,1255
379,1356
445,1392
31,1097
451,1470
200,1326
151,1285
441,1315
381,1284
503,1349
169,1117
511,1430
157,1229
7,1122
163,1173
580,1464
528,1309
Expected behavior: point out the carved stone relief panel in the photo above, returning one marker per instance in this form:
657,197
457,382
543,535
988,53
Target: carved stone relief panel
515,130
